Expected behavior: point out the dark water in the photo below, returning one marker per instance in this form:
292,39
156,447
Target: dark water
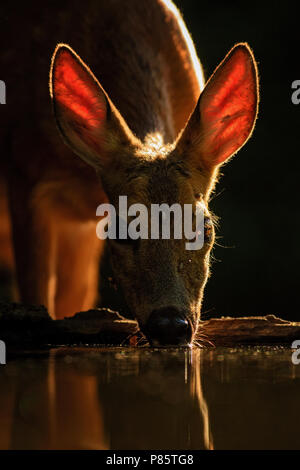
149,399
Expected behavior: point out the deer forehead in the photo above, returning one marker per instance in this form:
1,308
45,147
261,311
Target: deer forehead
158,182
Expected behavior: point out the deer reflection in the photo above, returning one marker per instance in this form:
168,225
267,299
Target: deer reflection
110,399
156,402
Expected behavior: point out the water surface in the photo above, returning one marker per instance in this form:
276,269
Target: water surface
116,398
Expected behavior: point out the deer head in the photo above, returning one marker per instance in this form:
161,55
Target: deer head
162,281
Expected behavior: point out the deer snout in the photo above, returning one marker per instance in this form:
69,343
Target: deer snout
168,326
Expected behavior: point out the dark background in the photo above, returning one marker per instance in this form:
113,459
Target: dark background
256,268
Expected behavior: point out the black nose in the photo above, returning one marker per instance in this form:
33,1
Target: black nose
167,326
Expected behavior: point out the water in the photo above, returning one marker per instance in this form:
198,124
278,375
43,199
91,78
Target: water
116,398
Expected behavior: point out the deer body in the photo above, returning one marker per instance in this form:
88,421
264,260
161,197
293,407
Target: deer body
126,122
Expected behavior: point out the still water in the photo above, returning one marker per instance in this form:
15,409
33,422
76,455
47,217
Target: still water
116,398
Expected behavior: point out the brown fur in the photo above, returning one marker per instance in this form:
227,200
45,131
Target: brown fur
146,65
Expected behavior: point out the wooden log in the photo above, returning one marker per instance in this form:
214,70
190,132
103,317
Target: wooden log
267,329
30,326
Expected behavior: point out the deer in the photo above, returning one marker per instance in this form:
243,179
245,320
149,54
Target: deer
129,113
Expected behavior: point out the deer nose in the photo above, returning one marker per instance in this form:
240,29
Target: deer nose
167,326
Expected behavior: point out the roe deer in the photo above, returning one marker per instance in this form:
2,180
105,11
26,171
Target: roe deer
144,125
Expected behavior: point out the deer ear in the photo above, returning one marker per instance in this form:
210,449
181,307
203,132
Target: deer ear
225,114
82,109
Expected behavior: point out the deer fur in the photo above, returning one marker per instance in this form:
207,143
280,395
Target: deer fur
154,133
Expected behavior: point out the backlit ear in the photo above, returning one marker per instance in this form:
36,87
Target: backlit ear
225,114
83,112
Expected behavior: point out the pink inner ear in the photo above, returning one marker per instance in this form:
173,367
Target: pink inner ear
76,91
228,106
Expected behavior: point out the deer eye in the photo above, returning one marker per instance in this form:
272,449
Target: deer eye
208,229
